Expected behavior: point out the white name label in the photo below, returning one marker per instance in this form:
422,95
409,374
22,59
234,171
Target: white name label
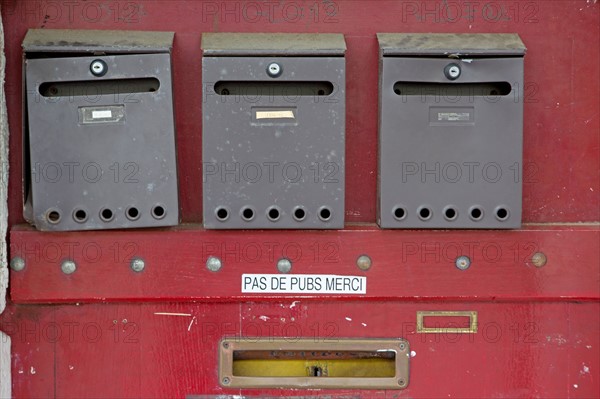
275,115
102,114
303,284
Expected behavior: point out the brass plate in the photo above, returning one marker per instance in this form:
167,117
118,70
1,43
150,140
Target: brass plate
305,363
472,315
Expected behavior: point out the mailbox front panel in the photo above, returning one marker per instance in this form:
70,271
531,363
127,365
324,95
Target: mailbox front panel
273,146
450,150
102,148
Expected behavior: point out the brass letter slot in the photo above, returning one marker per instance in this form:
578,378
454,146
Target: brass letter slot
447,322
304,363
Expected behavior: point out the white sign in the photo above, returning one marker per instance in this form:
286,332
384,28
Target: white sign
102,114
275,115
303,284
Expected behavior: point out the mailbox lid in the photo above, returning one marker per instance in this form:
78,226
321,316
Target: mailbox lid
450,44
95,41
273,44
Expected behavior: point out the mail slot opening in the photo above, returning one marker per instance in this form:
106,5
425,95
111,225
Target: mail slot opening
273,89
483,89
93,88
446,322
314,364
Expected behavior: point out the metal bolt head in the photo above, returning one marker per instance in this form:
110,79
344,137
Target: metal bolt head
226,381
137,265
452,71
284,265
539,259
274,69
213,264
68,267
98,68
364,262
17,264
463,262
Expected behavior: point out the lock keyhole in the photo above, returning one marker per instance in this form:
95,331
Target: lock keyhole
316,371
274,69
452,71
98,68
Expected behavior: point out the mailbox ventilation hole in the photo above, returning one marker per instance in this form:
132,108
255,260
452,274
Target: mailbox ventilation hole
247,214
94,88
299,214
450,214
271,88
53,216
106,215
424,213
502,214
222,214
159,212
273,214
80,215
399,213
476,213
325,214
132,213
452,89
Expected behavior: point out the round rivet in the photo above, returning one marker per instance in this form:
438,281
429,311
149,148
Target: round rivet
463,262
274,69
17,264
284,265
98,68
225,345
137,265
539,259
402,346
401,382
364,262
213,264
68,267
226,381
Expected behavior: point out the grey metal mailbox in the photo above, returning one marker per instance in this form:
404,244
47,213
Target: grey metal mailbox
450,130
99,131
273,130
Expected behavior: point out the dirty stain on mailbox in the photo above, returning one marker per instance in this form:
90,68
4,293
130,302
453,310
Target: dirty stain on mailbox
99,130
273,130
450,130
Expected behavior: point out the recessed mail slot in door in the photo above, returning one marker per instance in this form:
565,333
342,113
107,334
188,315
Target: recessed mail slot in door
304,363
99,130
273,131
450,130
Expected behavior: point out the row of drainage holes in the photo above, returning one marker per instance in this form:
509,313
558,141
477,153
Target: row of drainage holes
450,213
274,214
106,214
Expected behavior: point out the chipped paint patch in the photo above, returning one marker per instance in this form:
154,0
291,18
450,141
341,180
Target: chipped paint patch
172,314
